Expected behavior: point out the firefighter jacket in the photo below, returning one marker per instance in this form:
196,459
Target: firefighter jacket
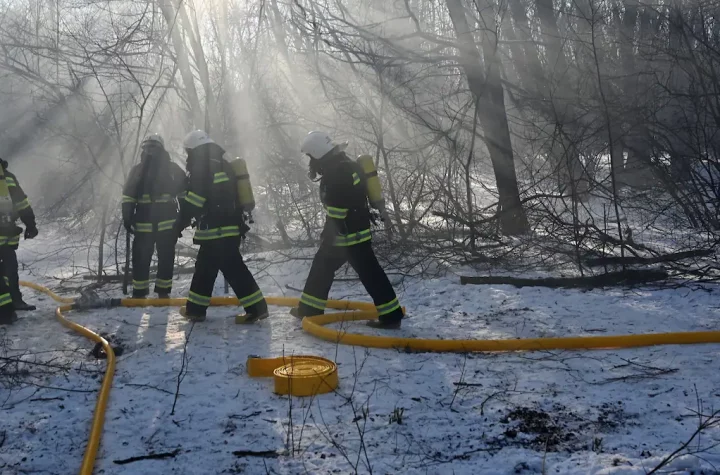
151,192
344,196
212,197
14,205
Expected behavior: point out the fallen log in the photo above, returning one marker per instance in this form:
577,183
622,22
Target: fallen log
160,456
633,260
628,277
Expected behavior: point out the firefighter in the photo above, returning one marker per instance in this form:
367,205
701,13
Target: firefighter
25,212
346,236
212,199
14,204
149,209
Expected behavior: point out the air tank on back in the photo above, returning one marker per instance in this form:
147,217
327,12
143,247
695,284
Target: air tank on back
244,188
374,190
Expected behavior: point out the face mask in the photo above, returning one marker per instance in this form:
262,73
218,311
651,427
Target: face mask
151,151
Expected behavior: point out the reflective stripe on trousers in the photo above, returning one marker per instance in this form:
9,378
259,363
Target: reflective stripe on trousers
163,283
198,299
251,299
389,307
143,227
216,233
149,227
352,239
140,284
314,302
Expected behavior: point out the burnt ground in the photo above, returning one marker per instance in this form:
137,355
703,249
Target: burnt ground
560,429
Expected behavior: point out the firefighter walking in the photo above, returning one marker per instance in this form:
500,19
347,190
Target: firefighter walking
14,204
8,248
149,209
217,198
346,236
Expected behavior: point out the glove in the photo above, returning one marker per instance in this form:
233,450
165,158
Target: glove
31,232
244,228
128,227
374,216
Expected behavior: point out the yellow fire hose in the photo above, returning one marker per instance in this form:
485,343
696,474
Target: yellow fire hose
306,375
314,326
99,416
298,375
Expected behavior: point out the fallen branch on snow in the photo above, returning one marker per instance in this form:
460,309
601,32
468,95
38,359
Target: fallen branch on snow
244,416
47,399
706,422
639,377
149,386
632,260
163,455
258,453
183,369
627,277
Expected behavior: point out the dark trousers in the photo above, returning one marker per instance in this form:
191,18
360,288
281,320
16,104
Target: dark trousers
10,267
361,257
7,257
223,255
144,245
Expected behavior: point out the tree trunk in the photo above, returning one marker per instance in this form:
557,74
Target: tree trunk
638,146
183,63
609,57
533,77
276,22
101,246
680,150
380,135
571,171
487,89
193,32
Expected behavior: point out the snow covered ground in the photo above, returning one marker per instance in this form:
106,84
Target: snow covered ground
560,412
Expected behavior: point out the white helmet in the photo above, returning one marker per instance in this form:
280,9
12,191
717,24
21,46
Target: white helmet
196,138
318,144
153,138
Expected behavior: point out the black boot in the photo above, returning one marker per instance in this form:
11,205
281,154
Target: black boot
384,324
259,311
23,306
390,321
295,312
163,295
8,318
192,316
139,295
